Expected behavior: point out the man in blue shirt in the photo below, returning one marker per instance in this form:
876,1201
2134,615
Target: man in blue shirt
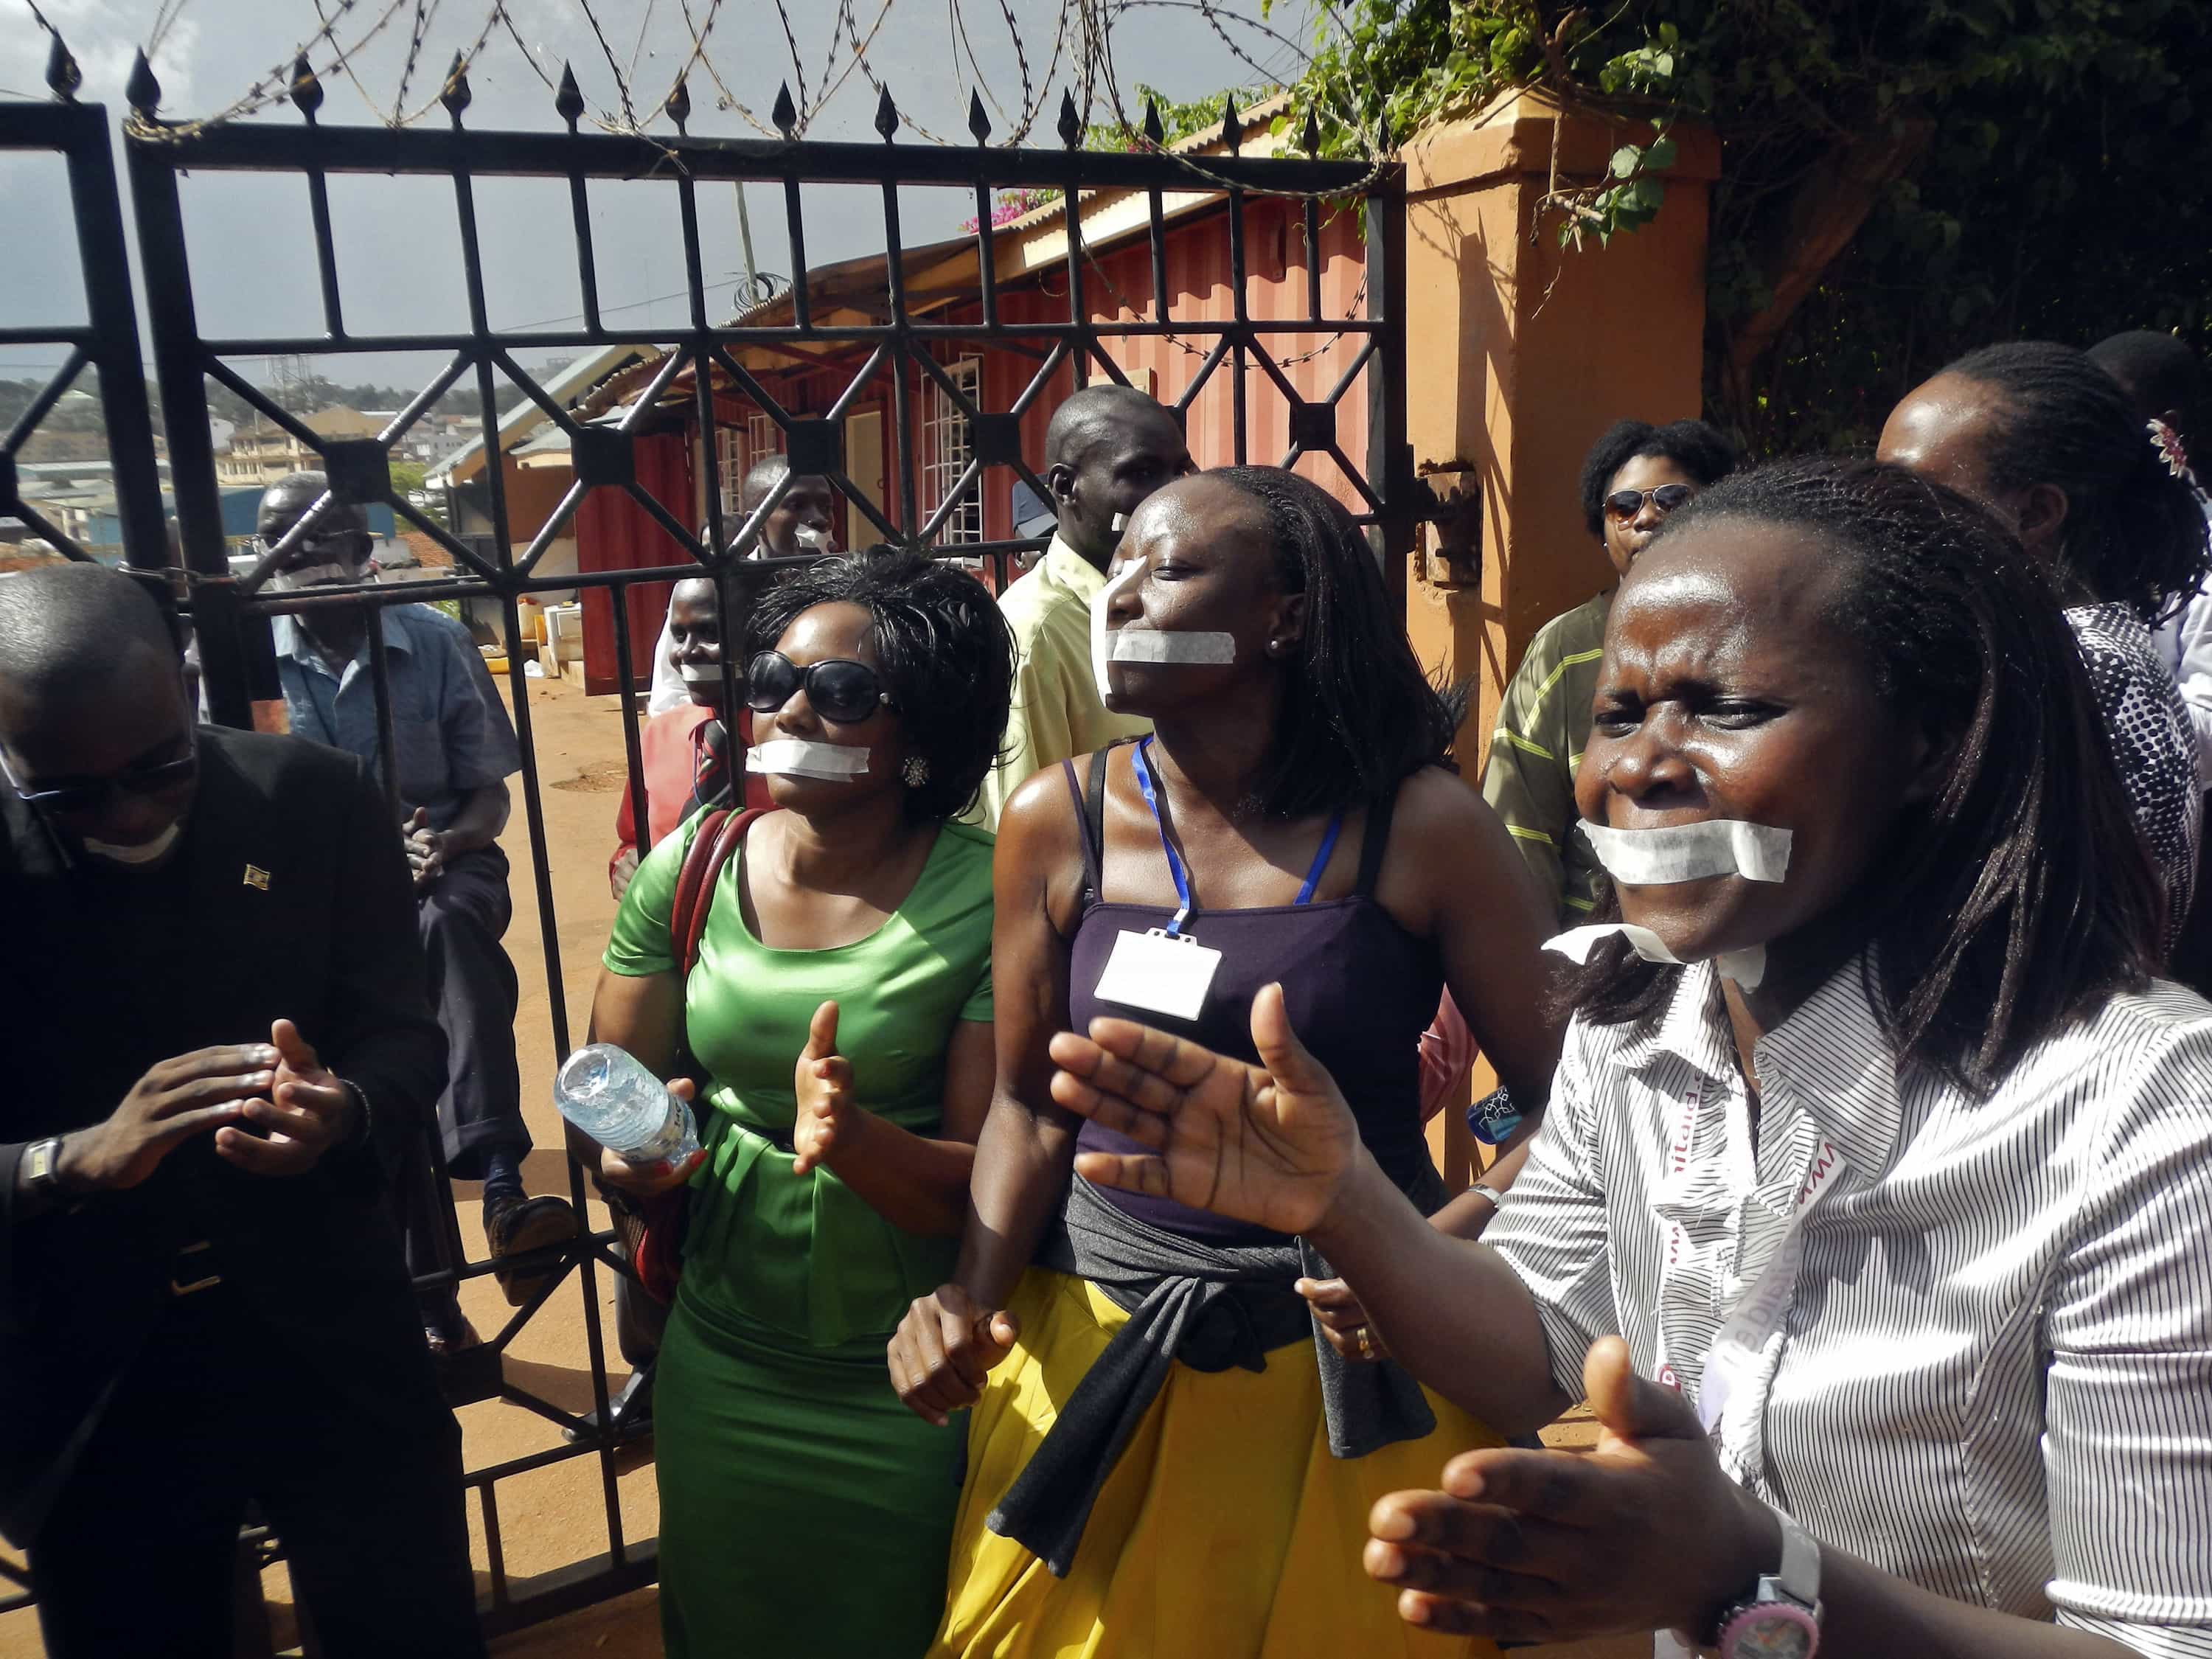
453,749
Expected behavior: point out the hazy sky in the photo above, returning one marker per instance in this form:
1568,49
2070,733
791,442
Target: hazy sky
253,267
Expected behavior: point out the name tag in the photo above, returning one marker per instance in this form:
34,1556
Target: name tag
1160,972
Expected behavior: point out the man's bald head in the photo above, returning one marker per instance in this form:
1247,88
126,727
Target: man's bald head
91,688
66,627
761,478
1093,413
283,502
1108,447
801,523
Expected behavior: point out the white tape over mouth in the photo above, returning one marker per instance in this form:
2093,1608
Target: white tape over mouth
136,853
795,757
1121,523
1746,967
711,674
813,540
1171,644
1102,645
1690,852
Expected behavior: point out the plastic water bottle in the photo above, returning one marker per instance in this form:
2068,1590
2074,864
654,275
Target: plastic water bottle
609,1094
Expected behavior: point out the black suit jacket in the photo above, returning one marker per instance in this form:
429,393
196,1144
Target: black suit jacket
288,897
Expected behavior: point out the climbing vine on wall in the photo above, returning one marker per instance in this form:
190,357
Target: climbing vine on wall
1902,178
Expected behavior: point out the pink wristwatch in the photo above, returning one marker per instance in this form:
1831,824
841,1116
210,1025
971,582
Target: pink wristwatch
1780,1619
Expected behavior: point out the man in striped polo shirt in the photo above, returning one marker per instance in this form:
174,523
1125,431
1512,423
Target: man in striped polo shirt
1634,474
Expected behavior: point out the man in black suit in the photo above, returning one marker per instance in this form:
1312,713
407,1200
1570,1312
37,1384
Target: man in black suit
211,1006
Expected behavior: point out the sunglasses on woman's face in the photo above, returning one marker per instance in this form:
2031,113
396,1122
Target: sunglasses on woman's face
840,690
1625,504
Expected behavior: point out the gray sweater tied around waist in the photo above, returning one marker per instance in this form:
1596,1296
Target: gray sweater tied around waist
1209,1308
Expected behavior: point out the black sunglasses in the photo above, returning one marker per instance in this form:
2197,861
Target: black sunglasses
92,793
1625,504
841,689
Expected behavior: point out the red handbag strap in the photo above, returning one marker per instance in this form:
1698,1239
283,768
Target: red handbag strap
720,831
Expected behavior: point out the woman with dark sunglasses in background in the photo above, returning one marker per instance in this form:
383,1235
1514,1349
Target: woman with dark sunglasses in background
841,1013
1636,474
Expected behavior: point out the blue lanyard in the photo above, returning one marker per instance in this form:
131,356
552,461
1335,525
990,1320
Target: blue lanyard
1144,771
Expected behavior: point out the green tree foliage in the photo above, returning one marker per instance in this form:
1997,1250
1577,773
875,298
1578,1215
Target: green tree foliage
1903,180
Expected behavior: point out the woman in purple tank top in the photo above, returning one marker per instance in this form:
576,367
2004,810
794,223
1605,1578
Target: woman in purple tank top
1165,1454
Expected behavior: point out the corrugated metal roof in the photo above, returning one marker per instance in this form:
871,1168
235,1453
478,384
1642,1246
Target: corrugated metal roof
565,388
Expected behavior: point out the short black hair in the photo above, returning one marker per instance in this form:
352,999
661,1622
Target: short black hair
340,515
1706,453
2022,897
1087,410
2158,372
63,627
1360,717
2134,533
944,647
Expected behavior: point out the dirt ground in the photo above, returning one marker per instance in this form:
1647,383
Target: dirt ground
556,1516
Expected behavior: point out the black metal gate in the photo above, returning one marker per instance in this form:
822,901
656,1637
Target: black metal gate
902,342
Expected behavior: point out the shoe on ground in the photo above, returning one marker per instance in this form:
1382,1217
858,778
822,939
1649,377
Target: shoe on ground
516,1224
445,1328
631,1405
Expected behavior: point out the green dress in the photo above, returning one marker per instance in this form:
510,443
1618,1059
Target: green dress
804,1511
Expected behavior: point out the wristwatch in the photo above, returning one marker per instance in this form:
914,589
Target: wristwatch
1781,1618
1496,1199
42,1167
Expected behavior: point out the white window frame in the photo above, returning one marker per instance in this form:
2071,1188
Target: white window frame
729,466
947,446
735,453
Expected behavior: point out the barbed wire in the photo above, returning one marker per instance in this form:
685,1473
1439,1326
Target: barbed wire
1083,59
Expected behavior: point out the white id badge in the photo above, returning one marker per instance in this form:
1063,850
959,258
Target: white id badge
1160,972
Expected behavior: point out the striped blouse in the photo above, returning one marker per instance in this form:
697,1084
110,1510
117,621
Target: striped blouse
1995,1377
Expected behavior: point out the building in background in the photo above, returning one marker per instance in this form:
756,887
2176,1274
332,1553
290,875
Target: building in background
1305,400
262,454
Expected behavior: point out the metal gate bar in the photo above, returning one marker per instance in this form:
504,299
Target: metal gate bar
107,340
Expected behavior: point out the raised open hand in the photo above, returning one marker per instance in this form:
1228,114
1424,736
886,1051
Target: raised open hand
822,1080
1271,1144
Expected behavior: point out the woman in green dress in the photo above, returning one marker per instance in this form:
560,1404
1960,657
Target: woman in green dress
841,1011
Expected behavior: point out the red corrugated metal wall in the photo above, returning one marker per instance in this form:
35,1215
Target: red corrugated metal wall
613,532
1119,288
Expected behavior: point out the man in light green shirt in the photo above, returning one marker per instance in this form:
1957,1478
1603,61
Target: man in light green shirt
1634,474
1107,449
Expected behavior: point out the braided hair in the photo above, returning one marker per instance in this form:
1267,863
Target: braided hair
1358,717
2019,898
2134,533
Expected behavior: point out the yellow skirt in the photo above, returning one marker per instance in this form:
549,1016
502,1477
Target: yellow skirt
1226,1530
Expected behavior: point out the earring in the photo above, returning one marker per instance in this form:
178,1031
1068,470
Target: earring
916,772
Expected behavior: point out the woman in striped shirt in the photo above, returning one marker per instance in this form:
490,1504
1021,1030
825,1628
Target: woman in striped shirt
1895,1161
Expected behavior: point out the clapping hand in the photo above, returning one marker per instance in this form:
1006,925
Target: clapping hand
177,1099
305,1112
1645,1533
425,849
1271,1144
828,1116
